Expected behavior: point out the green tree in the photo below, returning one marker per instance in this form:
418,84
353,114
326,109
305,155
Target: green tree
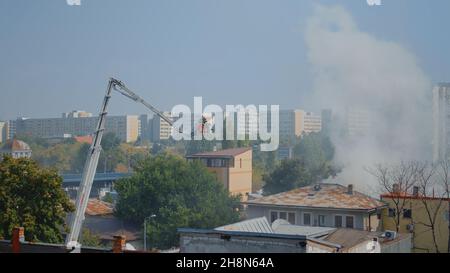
90,239
179,193
316,151
199,146
290,174
110,141
32,197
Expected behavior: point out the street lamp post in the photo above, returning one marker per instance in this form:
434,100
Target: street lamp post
145,230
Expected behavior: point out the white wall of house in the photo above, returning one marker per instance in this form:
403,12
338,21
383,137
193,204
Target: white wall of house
318,217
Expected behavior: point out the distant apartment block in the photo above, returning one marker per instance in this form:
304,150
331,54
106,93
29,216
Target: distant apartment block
126,128
441,121
3,131
309,122
160,129
327,117
295,123
77,114
358,122
232,167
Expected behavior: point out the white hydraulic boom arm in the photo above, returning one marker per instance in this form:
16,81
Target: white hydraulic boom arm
90,166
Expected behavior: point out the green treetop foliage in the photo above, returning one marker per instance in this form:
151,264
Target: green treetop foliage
33,198
313,155
90,239
179,193
290,174
316,151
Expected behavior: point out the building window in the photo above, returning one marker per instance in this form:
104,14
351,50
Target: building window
273,216
288,216
321,220
407,213
391,212
349,222
338,221
291,218
306,219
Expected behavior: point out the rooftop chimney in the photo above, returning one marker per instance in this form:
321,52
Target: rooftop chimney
415,191
395,188
317,187
119,244
17,238
350,189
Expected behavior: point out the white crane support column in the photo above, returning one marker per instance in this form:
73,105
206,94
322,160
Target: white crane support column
88,175
91,164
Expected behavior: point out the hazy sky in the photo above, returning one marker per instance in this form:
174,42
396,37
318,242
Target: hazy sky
56,58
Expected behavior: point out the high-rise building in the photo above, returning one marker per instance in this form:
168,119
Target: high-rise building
144,128
77,114
295,123
441,121
11,128
358,122
126,128
327,116
309,122
161,129
3,131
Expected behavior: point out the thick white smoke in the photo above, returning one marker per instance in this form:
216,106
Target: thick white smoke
355,70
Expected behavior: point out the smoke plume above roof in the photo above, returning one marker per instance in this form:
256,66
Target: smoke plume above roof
352,70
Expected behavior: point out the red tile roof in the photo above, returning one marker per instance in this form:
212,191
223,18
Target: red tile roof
84,139
223,153
97,207
330,196
16,145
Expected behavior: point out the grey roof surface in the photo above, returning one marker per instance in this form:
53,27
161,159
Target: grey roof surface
259,225
284,227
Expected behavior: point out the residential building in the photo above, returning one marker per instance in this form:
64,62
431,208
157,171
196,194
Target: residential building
323,205
414,219
224,241
295,123
16,149
259,236
77,114
144,128
358,122
290,124
285,153
232,167
3,131
161,129
345,240
441,122
309,122
11,128
126,128
100,220
327,117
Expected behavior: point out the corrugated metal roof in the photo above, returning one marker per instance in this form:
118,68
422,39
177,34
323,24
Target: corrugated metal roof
281,226
348,238
333,196
258,225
